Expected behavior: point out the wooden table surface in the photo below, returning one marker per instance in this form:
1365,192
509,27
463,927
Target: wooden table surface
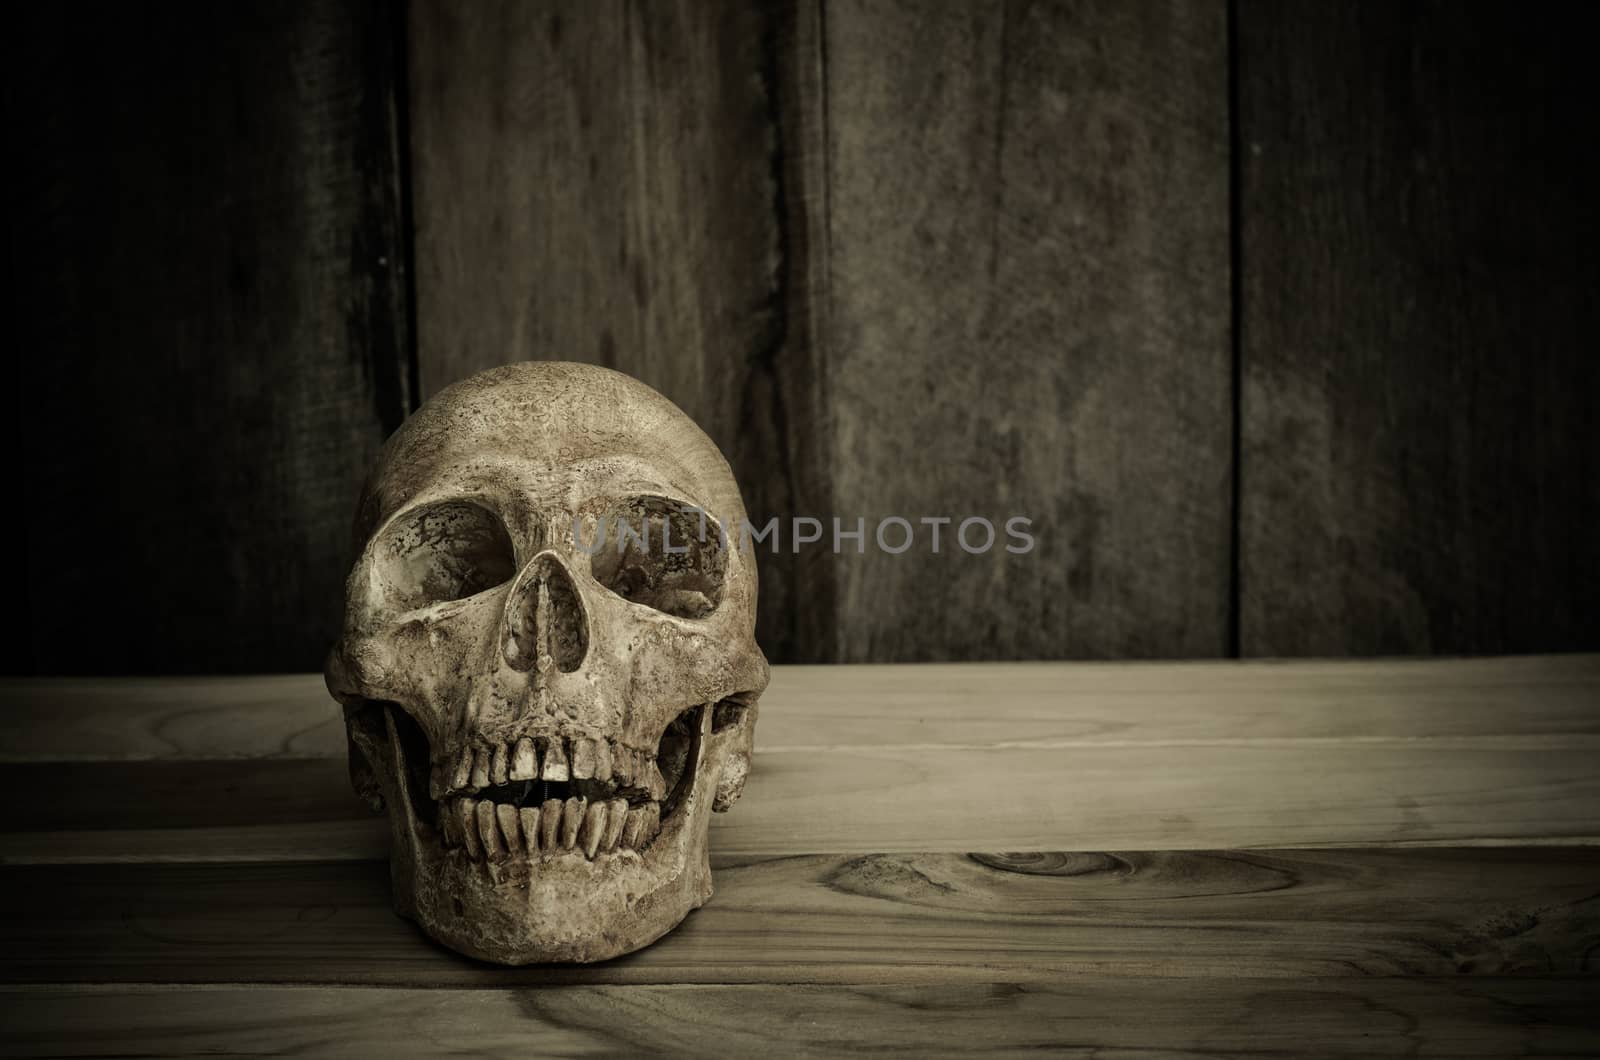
1307,858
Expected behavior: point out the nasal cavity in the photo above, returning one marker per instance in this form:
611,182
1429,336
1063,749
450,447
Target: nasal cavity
545,625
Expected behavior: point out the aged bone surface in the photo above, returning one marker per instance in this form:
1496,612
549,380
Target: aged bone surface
548,729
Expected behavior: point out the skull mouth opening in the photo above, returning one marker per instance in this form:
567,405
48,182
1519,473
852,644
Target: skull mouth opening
545,796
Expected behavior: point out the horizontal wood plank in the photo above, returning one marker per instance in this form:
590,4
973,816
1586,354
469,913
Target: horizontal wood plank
956,705
95,719
1156,1017
900,800
916,918
137,796
874,759
253,880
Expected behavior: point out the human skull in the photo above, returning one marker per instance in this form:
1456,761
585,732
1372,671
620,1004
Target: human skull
548,701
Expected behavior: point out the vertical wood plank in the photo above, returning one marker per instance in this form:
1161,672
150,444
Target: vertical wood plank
208,320
608,182
800,595
1419,319
1029,315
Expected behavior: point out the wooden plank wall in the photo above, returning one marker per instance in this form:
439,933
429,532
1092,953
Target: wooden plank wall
208,328
913,258
1420,468
604,182
1028,271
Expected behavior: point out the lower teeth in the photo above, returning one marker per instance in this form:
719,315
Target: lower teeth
494,830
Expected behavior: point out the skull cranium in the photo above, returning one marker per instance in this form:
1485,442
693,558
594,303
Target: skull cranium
548,662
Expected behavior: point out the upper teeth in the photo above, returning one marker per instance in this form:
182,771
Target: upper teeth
547,758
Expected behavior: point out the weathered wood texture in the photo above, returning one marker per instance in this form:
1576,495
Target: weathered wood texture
874,759
899,258
1078,1017
208,322
605,182
1418,329
1028,314
815,708
908,260
877,918
857,800
1373,950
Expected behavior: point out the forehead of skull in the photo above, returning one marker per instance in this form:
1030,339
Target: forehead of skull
549,433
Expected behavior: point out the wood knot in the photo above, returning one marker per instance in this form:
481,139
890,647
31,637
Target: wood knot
1063,863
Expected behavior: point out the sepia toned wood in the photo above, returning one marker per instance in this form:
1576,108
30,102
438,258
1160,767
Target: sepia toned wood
1157,1017
1028,315
878,252
882,758
143,718
210,319
579,197
1417,330
606,183
339,838
193,898
786,451
885,918
809,709
1178,796
94,794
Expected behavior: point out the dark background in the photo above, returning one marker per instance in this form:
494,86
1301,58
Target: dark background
1276,317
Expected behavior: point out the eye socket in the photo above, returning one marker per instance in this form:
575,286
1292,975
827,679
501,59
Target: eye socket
656,554
730,711
445,551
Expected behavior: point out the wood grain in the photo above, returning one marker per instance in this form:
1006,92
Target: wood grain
97,795
1028,315
1081,1017
812,708
209,313
911,758
1418,321
145,718
606,182
785,451
897,260
1180,796
912,918
174,902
